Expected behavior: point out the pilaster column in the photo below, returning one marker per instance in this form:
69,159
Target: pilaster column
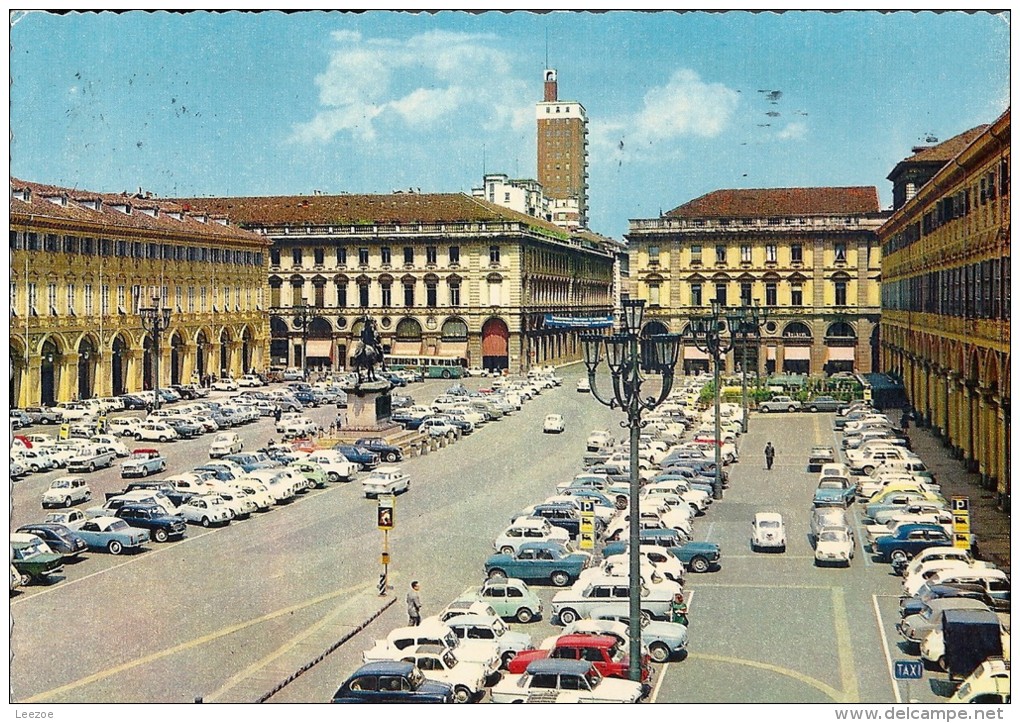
234,362
189,366
134,371
31,384
67,388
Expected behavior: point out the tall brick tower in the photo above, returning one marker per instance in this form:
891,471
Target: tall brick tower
563,154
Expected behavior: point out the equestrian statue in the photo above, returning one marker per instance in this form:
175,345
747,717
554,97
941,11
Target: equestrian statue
367,352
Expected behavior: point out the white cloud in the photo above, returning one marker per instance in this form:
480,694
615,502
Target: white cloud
685,106
418,83
793,131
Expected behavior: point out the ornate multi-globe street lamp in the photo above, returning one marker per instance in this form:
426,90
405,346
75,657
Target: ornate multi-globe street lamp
745,325
155,320
629,356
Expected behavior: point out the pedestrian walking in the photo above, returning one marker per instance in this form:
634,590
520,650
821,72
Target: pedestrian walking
770,455
277,414
905,419
414,604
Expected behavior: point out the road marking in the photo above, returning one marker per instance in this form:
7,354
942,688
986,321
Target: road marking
860,533
885,649
844,649
202,640
710,526
818,430
765,555
760,586
827,690
259,664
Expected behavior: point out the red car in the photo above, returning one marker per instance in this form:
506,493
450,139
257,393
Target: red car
601,650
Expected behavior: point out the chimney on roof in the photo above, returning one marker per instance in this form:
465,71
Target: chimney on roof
550,86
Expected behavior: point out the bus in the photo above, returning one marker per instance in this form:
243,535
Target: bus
434,367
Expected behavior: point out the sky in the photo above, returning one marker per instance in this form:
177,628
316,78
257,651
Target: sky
679,104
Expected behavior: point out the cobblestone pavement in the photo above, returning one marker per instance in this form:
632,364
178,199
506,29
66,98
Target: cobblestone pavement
988,522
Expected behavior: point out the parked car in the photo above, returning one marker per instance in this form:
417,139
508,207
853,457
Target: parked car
768,532
160,525
834,545
609,657
528,529
388,452
566,681
42,415
124,426
835,491
142,463
334,465
66,491
225,443
583,596
909,540
539,561
823,404
915,628
387,479
224,385
314,473
206,510
663,640
250,380
33,558
92,457
508,643
819,456
988,684
113,535
779,404
156,432
553,423
433,631
442,665
390,681
71,519
61,540
510,598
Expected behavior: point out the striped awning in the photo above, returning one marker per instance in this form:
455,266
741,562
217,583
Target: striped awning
453,349
841,353
406,348
320,347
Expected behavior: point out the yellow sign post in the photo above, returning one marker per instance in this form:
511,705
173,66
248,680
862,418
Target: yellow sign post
961,522
586,538
384,521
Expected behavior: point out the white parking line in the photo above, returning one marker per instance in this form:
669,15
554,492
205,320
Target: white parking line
709,535
885,649
860,534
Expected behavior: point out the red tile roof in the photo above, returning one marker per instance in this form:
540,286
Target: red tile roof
772,202
946,150
72,208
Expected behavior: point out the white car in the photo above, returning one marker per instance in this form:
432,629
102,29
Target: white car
225,443
598,439
334,464
768,532
280,485
834,545
583,385
528,529
934,553
66,491
110,441
299,427
36,459
71,519
386,480
224,385
553,423
124,426
249,380
256,491
206,510
443,665
156,432
239,502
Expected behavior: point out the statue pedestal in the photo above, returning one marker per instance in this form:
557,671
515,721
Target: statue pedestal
368,410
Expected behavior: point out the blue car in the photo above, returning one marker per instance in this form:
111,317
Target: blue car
908,540
61,539
391,682
539,561
359,455
696,556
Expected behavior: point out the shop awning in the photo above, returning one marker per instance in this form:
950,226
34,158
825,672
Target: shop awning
453,349
406,348
770,353
842,353
320,347
797,353
693,352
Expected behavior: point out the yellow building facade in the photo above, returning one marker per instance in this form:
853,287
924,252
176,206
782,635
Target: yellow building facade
83,263
810,255
443,275
946,299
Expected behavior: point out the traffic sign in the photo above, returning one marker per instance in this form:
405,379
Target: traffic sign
587,541
961,504
587,525
908,670
961,522
588,506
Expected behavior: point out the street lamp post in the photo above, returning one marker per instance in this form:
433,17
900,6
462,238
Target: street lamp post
745,324
301,314
706,333
155,320
628,356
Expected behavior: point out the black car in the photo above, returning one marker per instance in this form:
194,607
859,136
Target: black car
185,391
132,401
178,497
391,378
365,457
392,681
389,452
160,525
61,539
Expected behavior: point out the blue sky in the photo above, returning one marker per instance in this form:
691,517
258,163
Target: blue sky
679,104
